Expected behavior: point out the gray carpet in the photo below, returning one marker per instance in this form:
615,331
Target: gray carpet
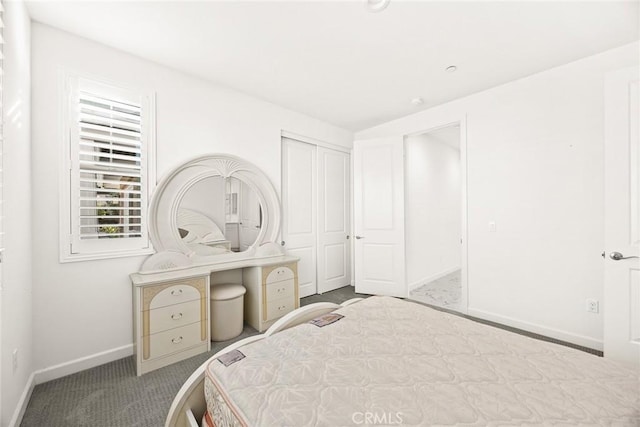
112,395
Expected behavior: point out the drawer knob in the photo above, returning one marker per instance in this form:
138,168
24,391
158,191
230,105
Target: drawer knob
176,316
176,292
176,340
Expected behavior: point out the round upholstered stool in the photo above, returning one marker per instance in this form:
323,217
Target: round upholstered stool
227,311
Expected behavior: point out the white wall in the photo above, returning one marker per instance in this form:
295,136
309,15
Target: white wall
84,308
432,208
535,167
17,313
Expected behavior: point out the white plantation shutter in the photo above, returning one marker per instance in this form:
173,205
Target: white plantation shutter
109,149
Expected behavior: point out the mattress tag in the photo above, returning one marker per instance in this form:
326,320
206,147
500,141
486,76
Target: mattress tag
326,319
231,357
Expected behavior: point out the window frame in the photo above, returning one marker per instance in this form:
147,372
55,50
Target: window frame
71,247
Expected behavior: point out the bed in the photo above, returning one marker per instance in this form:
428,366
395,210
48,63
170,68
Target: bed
201,234
394,362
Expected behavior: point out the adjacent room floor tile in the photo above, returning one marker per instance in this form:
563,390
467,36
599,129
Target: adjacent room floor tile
443,292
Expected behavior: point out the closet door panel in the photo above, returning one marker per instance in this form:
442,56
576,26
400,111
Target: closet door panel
299,199
333,219
335,266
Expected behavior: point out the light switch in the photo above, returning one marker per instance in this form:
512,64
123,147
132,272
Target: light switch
492,226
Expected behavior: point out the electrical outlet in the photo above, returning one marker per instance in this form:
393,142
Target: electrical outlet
593,306
14,360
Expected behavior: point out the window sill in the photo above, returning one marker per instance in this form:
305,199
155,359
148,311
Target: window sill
69,257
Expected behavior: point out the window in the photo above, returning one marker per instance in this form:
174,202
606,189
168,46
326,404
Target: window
108,150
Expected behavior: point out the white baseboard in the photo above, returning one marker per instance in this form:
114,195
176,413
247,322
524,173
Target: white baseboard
538,329
58,371
77,365
431,278
21,407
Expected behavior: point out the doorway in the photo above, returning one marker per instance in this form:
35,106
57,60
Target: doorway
434,190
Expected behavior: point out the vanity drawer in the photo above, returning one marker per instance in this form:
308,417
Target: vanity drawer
279,274
279,307
174,340
277,290
173,316
173,293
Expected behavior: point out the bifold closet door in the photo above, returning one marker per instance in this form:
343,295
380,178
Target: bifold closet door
334,254
299,201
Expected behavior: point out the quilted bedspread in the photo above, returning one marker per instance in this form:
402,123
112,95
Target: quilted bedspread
393,362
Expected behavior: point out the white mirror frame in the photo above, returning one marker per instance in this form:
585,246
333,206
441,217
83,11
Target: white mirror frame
165,201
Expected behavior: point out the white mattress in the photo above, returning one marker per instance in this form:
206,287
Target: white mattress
401,363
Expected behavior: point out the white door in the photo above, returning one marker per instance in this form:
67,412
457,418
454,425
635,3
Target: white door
299,202
622,216
379,216
250,217
334,223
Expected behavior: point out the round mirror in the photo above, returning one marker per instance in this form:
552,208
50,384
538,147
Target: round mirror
214,208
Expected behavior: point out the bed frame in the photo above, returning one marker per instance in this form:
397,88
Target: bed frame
189,404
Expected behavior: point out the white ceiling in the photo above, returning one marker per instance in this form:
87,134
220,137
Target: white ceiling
336,61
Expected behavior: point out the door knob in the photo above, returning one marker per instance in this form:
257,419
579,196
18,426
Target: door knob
617,256
359,237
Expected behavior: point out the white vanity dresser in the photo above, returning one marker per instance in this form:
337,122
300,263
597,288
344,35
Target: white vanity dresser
272,292
171,292
170,318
